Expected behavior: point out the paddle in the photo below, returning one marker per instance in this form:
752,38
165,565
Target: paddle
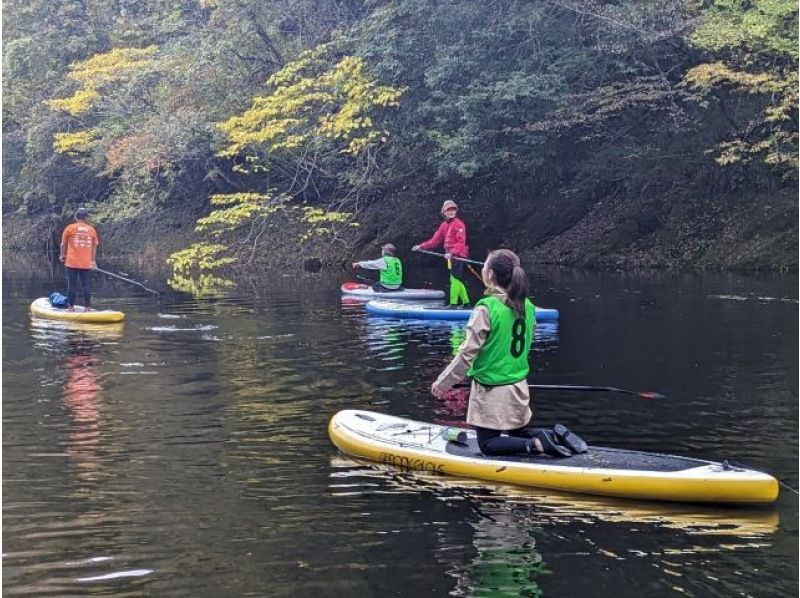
157,294
452,257
648,394
643,394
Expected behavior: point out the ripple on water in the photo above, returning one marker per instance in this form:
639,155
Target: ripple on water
198,328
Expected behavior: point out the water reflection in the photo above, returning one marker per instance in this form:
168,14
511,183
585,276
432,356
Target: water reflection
54,336
390,335
515,536
546,333
451,409
457,336
387,340
557,508
506,561
77,346
82,397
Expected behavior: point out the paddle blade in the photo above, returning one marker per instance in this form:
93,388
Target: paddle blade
651,395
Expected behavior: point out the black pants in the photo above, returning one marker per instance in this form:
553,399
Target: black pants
457,269
492,443
86,284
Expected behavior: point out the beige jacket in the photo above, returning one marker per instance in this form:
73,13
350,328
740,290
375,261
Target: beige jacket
497,407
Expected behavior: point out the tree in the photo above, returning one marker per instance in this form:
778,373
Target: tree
315,130
756,43
320,108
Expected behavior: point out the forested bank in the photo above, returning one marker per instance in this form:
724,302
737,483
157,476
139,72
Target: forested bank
607,134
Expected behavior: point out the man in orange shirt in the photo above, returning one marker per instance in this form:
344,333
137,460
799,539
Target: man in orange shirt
78,251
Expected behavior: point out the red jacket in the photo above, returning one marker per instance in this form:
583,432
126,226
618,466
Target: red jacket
453,235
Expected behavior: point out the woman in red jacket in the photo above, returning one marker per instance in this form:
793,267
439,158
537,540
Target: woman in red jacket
452,235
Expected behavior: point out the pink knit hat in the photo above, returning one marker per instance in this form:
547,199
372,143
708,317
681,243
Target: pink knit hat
448,205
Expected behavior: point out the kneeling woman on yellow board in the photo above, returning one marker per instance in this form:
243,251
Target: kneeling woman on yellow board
495,355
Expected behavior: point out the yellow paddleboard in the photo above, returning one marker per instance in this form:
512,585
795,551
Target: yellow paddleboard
42,308
414,445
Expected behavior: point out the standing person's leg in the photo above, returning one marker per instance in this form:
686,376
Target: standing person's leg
86,285
458,290
72,281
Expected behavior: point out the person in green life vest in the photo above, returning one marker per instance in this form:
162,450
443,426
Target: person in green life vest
390,268
495,355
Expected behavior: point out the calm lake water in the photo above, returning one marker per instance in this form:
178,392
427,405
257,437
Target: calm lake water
185,453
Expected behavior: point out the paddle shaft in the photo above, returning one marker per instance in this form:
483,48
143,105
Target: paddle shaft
644,395
569,387
452,257
127,280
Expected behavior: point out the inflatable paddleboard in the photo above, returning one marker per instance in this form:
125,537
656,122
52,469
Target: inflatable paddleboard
413,445
394,309
366,291
42,308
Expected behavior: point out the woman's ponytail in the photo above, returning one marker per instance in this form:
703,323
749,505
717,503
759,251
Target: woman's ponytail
510,276
517,290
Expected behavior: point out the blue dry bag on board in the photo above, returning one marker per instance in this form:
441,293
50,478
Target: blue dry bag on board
58,300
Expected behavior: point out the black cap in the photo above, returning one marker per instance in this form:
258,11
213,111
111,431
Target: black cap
81,214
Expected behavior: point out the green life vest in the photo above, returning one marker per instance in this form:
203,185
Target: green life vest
393,274
503,358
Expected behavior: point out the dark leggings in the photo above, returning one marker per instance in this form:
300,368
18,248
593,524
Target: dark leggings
457,269
492,443
86,284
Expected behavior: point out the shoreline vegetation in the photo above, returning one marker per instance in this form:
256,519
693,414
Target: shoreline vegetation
748,234
224,138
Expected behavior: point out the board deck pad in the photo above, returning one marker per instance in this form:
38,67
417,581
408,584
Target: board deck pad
607,458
